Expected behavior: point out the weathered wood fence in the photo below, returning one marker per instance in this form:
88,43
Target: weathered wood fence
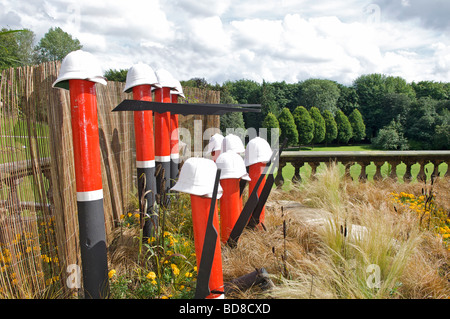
364,159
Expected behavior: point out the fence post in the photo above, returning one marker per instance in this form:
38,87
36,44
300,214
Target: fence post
79,73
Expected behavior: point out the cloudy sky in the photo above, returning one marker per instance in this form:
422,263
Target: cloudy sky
279,40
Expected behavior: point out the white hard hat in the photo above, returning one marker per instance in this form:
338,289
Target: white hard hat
233,143
215,143
178,89
197,177
232,166
140,74
165,79
79,65
257,151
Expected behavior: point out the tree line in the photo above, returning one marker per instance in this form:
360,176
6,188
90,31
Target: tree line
385,111
379,109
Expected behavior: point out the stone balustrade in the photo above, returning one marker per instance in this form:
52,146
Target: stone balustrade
366,158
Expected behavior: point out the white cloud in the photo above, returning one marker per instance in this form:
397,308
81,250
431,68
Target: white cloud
280,40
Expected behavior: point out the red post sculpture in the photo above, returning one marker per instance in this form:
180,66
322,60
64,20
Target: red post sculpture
140,79
257,154
79,73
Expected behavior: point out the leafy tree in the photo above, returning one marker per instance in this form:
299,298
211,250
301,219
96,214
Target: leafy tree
116,75
421,122
232,119
287,127
319,125
55,45
331,130
25,46
391,137
357,123
268,103
305,125
247,92
323,94
8,49
348,99
270,121
431,89
371,90
343,126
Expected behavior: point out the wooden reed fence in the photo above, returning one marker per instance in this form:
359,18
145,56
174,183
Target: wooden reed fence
38,208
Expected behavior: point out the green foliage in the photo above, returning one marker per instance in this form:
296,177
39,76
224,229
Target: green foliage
357,123
319,125
305,125
391,137
116,75
8,49
421,122
344,127
270,121
331,130
431,89
55,45
323,94
348,99
288,127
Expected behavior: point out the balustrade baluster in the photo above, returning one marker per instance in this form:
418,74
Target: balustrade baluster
407,177
297,166
377,175
279,179
363,174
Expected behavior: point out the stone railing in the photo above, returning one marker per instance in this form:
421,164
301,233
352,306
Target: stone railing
366,158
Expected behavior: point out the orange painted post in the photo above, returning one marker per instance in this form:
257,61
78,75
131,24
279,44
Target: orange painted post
200,210
79,74
257,154
197,179
174,140
233,170
162,141
140,80
255,171
145,156
230,206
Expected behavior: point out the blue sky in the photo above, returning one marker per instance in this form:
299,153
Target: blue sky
280,40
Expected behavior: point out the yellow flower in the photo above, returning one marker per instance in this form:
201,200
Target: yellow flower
130,214
136,215
122,216
188,275
153,282
151,275
111,273
175,269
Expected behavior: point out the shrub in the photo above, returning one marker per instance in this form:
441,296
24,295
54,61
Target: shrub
288,127
330,126
358,126
305,125
344,128
319,125
391,137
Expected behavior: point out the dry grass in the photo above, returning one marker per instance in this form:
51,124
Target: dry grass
316,260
